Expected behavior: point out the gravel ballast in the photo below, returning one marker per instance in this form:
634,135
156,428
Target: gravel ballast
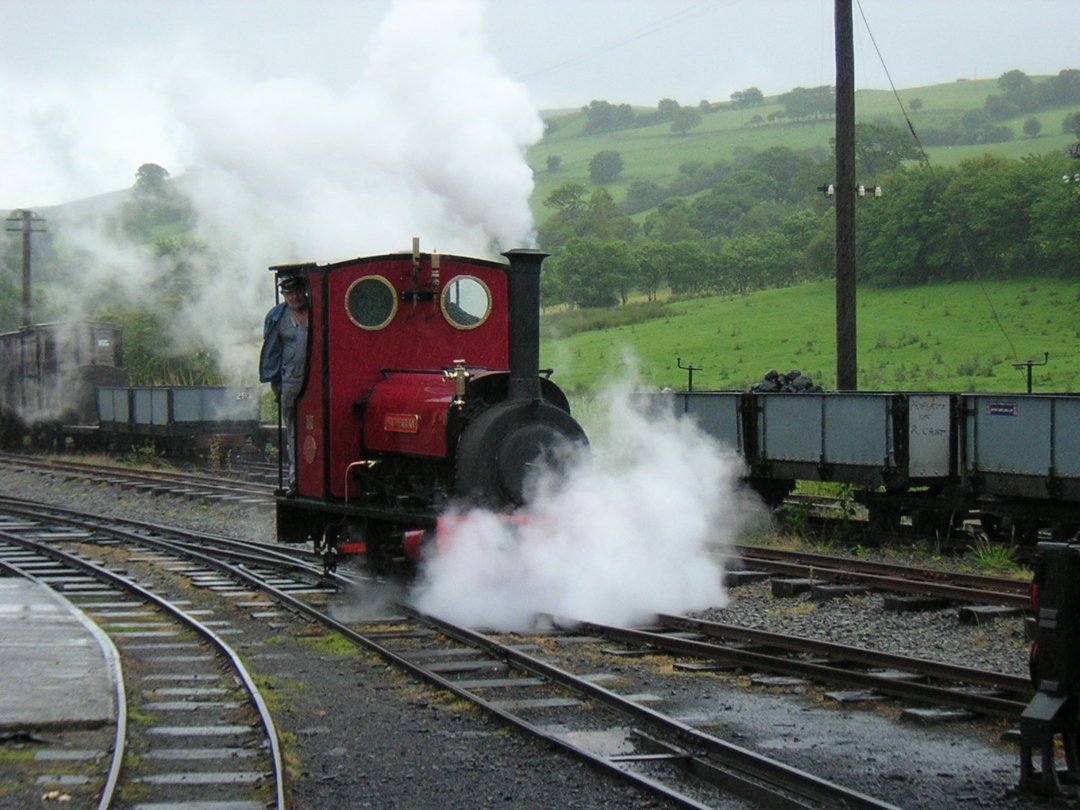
863,621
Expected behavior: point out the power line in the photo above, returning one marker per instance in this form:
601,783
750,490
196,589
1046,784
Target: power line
651,28
950,214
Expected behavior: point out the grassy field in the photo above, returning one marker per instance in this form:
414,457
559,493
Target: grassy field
951,337
655,153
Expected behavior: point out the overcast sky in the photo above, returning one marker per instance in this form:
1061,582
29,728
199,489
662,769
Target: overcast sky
64,59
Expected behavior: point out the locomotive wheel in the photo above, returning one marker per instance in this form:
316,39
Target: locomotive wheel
500,449
772,493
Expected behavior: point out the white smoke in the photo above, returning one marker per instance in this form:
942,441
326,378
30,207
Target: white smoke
636,530
427,141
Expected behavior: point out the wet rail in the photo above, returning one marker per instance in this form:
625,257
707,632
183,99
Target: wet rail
152,482
662,756
900,579
197,734
659,753
921,682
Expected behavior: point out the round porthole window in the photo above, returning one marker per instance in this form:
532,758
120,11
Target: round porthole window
466,302
371,302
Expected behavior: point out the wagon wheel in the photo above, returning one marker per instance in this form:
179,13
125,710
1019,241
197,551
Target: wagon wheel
1067,531
991,526
883,518
931,522
1007,529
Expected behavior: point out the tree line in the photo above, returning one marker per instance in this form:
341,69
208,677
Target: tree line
602,116
762,221
1020,95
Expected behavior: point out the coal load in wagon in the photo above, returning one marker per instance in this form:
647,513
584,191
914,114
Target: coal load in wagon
794,382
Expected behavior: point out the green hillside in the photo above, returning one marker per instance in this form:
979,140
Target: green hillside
935,338
655,153
963,336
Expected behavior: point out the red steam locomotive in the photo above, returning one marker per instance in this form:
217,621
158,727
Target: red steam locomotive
423,391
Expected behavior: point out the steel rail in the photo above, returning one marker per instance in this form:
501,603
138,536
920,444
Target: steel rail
112,655
822,673
301,607
755,777
923,666
746,772
752,766
419,671
834,573
977,581
20,506
135,475
265,718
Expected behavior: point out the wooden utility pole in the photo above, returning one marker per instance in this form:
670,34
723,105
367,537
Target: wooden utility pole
24,221
847,367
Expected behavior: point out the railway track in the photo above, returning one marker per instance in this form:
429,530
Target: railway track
662,756
152,482
525,688
899,579
918,682
579,715
190,721
813,568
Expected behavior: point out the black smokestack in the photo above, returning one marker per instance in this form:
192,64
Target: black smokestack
524,313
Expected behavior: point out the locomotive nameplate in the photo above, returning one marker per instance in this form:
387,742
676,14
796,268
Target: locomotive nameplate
401,423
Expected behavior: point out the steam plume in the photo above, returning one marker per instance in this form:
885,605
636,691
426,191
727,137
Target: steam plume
428,140
634,532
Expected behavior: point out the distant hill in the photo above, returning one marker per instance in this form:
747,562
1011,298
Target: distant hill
86,207
655,152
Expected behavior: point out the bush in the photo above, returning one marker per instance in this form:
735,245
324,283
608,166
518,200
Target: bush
562,324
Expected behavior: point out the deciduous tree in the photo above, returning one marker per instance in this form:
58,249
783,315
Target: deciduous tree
685,119
150,180
750,97
605,166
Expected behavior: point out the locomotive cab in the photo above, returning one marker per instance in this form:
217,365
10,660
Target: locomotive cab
423,390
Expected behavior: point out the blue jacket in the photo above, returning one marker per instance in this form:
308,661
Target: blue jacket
270,356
